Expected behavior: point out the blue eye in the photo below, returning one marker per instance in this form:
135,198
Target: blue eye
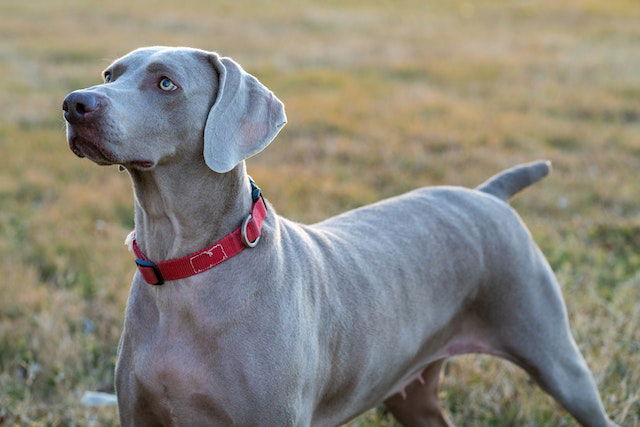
167,85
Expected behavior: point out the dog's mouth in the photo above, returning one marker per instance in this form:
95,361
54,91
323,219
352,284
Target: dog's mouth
93,149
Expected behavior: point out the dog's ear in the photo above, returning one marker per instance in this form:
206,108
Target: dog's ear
243,120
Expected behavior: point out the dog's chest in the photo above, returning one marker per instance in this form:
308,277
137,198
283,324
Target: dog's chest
228,369
167,368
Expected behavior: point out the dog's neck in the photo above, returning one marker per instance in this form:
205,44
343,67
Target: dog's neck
182,208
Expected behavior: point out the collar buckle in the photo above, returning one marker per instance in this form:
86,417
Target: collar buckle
150,272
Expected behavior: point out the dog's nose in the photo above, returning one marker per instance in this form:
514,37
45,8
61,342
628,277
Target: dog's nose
79,106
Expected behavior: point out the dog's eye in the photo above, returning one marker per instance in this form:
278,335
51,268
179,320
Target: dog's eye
167,85
107,76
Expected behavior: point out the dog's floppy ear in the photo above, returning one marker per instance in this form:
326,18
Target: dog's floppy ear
243,120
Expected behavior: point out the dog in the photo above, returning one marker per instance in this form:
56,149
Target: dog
238,316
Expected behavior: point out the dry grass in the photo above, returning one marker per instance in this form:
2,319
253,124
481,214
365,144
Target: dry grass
381,97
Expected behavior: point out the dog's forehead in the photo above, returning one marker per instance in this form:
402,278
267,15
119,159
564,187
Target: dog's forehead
171,57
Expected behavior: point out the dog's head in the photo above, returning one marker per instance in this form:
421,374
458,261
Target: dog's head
160,103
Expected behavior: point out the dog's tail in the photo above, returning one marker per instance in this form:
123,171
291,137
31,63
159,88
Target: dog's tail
507,183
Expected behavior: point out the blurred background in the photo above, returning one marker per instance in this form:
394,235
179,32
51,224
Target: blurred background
382,97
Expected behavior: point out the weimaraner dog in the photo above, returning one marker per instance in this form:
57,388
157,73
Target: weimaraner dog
238,316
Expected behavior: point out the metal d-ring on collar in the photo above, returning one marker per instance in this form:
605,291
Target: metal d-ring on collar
243,233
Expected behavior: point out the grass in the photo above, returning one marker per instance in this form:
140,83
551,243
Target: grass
381,97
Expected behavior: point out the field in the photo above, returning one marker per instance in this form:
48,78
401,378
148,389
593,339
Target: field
381,97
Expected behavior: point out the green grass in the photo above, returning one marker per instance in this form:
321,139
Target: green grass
381,97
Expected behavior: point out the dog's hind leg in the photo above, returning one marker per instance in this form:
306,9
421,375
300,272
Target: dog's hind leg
418,405
535,335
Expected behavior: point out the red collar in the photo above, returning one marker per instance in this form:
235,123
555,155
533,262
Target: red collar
245,236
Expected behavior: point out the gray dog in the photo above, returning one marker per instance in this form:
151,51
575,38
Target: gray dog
264,321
